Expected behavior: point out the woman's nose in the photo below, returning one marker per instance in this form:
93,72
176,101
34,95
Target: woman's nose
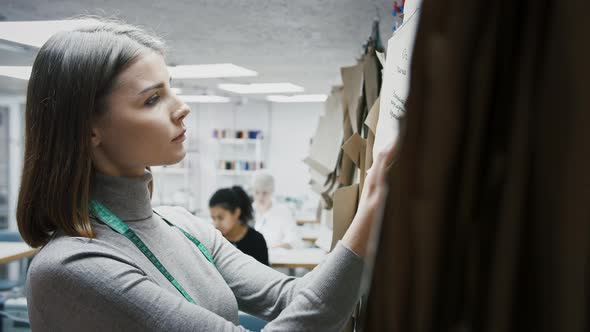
181,112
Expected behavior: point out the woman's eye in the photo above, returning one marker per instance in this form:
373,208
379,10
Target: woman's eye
152,100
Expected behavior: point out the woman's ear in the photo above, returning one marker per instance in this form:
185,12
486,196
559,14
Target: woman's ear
237,213
94,137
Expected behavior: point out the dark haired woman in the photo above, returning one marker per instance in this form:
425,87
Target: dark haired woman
231,210
99,111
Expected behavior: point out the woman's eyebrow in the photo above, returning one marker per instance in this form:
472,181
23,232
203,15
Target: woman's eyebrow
152,87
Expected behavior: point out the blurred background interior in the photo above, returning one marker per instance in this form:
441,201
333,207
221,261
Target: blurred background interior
257,76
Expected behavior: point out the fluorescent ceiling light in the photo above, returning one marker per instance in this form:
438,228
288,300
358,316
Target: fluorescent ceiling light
297,99
36,33
261,88
209,71
204,99
21,72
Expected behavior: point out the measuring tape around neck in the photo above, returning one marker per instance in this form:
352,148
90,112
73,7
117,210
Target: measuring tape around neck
107,217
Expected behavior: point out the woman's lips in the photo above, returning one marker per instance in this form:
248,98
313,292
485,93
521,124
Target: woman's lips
180,138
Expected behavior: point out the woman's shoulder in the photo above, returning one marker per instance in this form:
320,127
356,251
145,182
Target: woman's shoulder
62,247
68,255
256,235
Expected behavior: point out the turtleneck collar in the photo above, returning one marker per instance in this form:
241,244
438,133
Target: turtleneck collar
126,197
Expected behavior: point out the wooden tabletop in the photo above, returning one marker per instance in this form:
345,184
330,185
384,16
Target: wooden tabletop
11,251
301,222
292,258
310,235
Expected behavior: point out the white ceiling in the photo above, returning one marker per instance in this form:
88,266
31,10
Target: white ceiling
304,42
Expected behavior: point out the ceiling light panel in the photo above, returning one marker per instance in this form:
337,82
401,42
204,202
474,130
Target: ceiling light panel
221,70
36,33
256,88
204,99
297,98
20,72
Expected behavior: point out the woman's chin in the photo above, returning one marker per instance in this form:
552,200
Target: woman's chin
176,158
169,161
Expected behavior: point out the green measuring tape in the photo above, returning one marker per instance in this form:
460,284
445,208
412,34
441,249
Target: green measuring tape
103,214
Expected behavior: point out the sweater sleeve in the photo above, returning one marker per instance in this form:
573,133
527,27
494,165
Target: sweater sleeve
117,295
331,292
324,298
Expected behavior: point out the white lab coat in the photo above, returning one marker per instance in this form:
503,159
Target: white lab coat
278,226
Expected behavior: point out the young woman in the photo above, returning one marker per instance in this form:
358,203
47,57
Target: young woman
100,111
231,210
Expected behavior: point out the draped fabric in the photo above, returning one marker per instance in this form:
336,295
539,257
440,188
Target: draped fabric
487,223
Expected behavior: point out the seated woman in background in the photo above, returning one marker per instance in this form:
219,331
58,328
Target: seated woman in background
273,220
231,210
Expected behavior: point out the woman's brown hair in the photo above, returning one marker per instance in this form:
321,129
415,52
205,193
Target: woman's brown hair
72,75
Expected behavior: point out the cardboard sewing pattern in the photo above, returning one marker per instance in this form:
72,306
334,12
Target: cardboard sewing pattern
346,198
396,82
346,167
316,187
352,79
345,205
371,123
327,139
371,78
373,117
355,149
317,177
317,184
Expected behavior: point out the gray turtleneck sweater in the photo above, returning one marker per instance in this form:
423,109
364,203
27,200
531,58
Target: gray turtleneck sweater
107,284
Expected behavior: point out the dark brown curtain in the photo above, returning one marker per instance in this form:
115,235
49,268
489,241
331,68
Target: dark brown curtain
487,225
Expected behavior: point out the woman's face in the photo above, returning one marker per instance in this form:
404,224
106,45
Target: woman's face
143,125
262,196
225,220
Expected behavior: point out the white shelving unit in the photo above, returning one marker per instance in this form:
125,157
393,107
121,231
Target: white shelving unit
220,125
238,152
238,141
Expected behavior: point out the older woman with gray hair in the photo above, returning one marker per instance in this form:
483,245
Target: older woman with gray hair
273,220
